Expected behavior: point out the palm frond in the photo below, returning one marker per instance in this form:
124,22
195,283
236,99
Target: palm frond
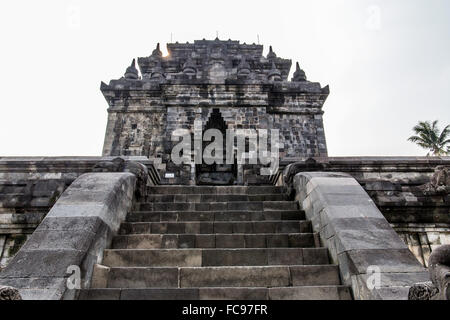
428,136
444,134
415,139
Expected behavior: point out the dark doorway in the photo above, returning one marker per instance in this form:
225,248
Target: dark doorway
216,174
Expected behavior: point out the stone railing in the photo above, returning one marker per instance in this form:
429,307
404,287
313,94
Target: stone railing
71,238
411,192
372,258
30,186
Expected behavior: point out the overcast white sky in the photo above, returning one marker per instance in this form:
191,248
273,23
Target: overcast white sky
387,63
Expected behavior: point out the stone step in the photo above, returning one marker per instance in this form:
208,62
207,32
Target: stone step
203,227
214,257
180,216
185,277
336,292
219,206
172,189
236,240
197,198
311,293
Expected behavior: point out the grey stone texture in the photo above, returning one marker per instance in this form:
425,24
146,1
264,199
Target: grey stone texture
230,293
74,233
357,235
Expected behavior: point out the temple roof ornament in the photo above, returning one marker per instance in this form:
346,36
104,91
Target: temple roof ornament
299,74
271,54
274,73
226,60
157,52
132,73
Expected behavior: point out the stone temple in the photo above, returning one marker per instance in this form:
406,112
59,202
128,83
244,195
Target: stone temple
135,223
223,84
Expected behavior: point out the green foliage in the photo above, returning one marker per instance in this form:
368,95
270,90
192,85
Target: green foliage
428,136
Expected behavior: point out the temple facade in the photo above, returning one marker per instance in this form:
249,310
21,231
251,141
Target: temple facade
221,85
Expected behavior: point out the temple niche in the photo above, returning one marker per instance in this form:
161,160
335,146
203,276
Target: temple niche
222,173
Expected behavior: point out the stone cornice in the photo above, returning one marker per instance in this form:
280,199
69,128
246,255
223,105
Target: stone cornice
283,98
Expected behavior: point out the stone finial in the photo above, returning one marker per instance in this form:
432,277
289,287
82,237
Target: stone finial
422,291
299,74
157,71
274,73
243,68
157,52
118,164
132,72
292,169
271,54
189,67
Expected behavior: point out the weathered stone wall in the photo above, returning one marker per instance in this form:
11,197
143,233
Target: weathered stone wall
423,238
422,219
23,205
143,134
396,185
29,187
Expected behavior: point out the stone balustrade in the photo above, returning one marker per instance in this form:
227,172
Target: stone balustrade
358,236
72,235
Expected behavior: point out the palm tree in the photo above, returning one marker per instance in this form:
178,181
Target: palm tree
428,137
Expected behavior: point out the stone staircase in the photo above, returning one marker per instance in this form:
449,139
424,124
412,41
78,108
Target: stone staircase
208,242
